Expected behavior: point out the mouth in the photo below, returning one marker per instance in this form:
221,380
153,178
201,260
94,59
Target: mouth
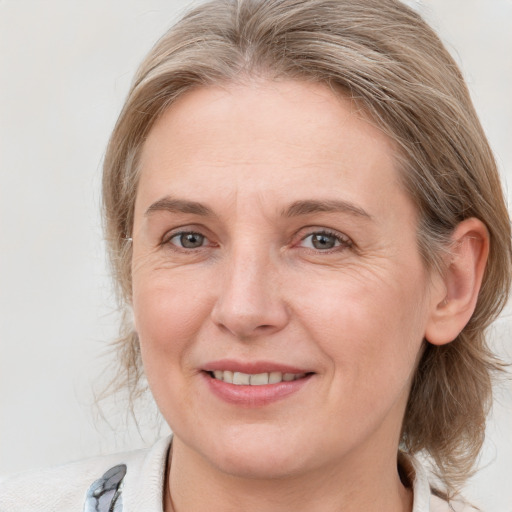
254,384
255,379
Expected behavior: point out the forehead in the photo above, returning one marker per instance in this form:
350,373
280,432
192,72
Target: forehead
294,137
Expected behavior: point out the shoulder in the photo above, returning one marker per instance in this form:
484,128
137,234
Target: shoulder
59,488
424,500
455,505
65,488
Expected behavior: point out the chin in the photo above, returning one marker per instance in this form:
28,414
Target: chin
254,455
258,465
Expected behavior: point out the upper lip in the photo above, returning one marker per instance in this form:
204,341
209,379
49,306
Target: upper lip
252,367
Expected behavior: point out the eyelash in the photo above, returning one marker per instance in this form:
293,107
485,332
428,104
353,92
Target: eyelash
167,240
342,242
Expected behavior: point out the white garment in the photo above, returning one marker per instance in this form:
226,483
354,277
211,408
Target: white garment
64,488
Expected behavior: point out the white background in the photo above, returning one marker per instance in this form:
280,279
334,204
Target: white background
65,68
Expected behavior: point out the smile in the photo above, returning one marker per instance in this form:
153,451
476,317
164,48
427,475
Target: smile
254,387
254,383
255,379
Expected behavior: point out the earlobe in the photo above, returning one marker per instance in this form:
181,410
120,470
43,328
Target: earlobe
462,281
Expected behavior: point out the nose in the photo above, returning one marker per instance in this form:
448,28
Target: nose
250,303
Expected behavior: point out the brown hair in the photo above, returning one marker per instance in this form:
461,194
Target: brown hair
388,60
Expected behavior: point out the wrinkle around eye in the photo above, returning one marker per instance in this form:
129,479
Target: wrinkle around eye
156,260
153,255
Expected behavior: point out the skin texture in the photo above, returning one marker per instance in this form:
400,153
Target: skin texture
258,289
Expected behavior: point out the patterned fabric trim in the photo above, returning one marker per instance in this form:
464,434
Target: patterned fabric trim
104,495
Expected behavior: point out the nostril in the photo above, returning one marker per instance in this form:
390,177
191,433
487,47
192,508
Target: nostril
249,315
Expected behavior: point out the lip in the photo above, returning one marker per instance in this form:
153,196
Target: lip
252,367
253,396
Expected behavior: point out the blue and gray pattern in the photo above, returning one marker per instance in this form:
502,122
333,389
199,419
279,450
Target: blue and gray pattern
104,495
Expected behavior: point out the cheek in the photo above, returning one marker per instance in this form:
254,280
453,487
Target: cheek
369,327
168,314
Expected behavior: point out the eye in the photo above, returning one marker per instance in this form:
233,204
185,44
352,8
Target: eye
324,241
188,240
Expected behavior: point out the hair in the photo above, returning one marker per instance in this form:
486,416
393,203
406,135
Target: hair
383,56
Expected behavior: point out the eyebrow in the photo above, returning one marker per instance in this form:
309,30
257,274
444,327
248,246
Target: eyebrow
296,209
313,206
169,204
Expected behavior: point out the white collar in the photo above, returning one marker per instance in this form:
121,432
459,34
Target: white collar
143,487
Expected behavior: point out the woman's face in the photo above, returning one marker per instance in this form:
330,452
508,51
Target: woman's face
273,240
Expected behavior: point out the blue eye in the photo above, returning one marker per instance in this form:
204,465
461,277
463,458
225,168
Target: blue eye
188,240
324,241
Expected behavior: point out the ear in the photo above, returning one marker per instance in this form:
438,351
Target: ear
452,308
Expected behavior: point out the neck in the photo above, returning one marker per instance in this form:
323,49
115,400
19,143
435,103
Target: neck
358,483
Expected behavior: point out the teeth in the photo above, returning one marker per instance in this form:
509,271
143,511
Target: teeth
258,379
241,378
275,377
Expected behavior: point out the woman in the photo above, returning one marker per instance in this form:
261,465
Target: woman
309,235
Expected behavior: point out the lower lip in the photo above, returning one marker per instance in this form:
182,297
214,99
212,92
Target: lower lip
254,396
